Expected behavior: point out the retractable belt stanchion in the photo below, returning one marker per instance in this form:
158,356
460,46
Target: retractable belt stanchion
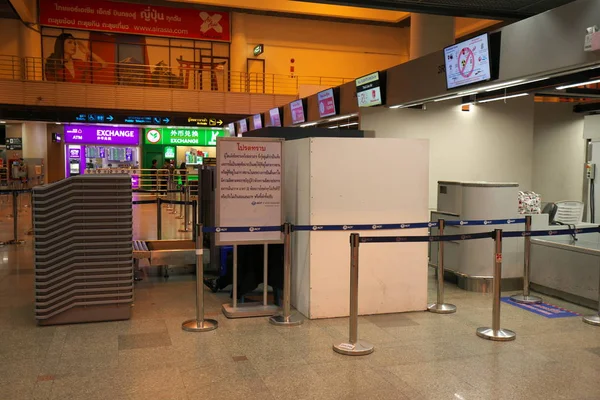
173,194
353,347
15,200
286,318
186,218
158,218
439,307
181,198
195,218
526,297
594,319
199,324
495,332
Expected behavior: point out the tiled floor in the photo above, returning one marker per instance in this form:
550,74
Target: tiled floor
418,355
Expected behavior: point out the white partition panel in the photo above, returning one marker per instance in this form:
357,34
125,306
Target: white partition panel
358,181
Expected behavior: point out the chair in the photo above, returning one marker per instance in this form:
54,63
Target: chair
569,212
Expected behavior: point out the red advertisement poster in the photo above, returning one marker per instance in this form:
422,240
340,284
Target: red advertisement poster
137,19
326,103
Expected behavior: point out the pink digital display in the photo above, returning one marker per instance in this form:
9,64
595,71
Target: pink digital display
297,109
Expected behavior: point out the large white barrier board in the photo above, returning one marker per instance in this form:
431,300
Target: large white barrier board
334,181
249,189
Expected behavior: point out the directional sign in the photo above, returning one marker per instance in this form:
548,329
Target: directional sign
205,121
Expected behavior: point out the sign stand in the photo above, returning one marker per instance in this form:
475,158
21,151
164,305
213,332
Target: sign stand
249,193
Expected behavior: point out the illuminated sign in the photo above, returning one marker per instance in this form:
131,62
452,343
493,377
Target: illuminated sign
258,50
183,136
205,121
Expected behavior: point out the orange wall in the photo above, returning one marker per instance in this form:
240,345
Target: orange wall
322,48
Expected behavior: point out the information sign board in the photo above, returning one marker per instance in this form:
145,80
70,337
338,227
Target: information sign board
249,189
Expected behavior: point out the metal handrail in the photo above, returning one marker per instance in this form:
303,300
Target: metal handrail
216,79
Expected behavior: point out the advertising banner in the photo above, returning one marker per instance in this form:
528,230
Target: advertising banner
249,189
183,137
87,134
137,19
297,110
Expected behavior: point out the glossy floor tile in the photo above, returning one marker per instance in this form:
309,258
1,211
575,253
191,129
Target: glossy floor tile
417,355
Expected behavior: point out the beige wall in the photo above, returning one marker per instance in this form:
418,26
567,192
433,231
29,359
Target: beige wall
559,152
493,142
320,48
9,45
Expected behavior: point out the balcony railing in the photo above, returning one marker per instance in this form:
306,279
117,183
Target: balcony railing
188,75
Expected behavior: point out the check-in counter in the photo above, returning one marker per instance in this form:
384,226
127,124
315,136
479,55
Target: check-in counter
567,268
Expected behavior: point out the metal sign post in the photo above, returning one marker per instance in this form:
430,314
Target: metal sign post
353,347
495,332
526,297
439,307
286,318
199,324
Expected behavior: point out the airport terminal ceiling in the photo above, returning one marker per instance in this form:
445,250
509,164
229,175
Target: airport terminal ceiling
494,9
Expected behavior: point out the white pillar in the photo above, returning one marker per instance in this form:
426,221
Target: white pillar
238,52
429,33
35,145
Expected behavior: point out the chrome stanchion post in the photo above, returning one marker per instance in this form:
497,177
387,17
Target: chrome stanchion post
186,218
526,297
159,218
181,199
353,347
286,318
495,333
439,307
194,217
199,324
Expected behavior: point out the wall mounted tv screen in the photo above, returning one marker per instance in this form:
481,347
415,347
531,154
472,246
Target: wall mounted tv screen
275,117
368,90
297,110
326,103
468,62
257,121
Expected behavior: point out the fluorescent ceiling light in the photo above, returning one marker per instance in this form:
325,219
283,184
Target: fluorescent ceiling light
406,105
448,98
307,125
503,98
502,85
342,117
2,122
350,124
578,84
333,127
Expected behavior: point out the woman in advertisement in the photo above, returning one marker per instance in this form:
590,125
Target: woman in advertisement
62,65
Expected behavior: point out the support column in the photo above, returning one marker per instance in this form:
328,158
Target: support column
430,33
239,52
35,145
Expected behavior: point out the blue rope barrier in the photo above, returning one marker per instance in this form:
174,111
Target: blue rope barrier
242,229
485,222
366,227
556,232
417,239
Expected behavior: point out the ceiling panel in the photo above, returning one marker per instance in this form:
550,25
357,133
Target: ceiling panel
494,9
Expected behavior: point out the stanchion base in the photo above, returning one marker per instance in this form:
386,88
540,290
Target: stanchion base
441,308
185,230
357,349
193,326
280,320
519,298
180,217
249,310
12,242
592,320
501,335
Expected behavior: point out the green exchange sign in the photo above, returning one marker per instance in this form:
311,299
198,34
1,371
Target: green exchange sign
183,137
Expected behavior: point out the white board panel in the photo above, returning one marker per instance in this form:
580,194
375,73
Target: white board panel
249,188
297,212
368,181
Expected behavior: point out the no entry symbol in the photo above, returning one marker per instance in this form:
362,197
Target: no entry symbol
466,62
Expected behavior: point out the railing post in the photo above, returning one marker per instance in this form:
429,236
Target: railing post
159,218
439,307
286,318
199,324
353,347
525,297
495,332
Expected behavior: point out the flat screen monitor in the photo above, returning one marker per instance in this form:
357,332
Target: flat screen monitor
297,110
257,121
242,126
368,90
231,129
57,137
326,103
468,62
275,117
